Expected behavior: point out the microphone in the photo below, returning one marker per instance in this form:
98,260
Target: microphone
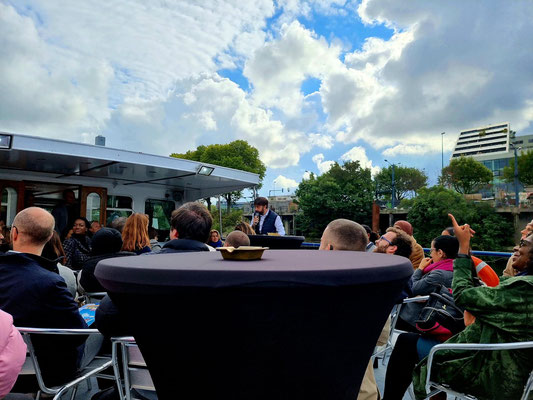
258,215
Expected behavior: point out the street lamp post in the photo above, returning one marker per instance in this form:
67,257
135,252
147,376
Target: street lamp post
517,198
393,191
442,151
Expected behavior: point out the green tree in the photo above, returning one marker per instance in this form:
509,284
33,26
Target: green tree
237,154
429,216
229,220
466,175
406,180
342,192
525,169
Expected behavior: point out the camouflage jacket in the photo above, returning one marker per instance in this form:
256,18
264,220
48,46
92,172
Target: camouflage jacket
503,314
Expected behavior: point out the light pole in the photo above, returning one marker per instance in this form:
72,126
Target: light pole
393,194
517,198
442,151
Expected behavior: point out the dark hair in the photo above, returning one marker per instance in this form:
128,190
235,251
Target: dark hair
261,201
450,230
192,221
402,241
373,237
347,235
53,249
152,233
367,229
106,241
448,244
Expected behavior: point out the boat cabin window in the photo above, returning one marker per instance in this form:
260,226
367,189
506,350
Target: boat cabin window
8,209
92,212
118,206
159,213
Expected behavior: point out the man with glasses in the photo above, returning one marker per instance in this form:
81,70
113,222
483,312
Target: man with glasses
394,241
510,270
33,292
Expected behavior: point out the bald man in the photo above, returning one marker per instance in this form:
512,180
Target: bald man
33,292
237,239
343,234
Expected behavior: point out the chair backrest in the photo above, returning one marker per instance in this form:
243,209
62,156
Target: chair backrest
134,369
31,365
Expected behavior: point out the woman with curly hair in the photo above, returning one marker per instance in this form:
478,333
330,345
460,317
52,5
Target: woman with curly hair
135,234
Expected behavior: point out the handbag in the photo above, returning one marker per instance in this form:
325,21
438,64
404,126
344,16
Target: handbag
441,316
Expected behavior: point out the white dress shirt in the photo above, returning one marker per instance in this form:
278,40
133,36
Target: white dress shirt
279,225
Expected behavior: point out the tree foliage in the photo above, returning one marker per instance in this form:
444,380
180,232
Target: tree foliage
429,216
407,181
466,175
525,169
229,220
342,192
237,154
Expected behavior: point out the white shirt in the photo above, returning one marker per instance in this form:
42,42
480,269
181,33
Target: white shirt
277,223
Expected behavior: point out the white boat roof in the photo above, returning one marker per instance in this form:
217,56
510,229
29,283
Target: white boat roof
61,159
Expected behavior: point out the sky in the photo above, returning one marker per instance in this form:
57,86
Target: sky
308,83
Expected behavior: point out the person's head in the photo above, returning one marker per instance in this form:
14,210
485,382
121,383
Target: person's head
106,241
95,226
404,226
81,226
237,239
214,236
135,233
261,205
53,249
191,221
343,234
31,229
395,241
443,247
245,227
68,196
152,233
448,231
522,258
367,230
118,223
527,230
5,234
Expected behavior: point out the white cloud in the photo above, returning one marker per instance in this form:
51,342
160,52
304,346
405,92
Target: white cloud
323,166
306,175
319,140
358,153
284,182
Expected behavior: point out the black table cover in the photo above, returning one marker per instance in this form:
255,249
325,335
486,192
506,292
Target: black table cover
277,242
295,325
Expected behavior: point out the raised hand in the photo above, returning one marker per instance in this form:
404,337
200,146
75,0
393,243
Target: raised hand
463,233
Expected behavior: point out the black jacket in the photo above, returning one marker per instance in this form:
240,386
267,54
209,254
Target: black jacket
87,280
182,245
36,296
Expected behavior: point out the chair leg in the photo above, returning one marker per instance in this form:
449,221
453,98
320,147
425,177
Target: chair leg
74,390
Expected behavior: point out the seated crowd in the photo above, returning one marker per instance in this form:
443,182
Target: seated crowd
38,288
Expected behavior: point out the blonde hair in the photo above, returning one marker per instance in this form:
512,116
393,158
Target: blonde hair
135,233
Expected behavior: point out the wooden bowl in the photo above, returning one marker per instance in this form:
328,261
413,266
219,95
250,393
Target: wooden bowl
242,253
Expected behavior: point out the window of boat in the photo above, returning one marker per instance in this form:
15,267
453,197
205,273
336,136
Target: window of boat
118,206
93,207
159,212
8,208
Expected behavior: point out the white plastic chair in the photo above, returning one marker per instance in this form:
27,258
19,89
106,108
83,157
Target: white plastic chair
135,372
434,387
31,366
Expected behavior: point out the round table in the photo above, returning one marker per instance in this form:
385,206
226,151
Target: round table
298,324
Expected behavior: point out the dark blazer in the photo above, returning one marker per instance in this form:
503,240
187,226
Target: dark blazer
36,296
87,280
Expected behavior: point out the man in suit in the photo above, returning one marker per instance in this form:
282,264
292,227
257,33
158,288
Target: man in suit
33,292
265,220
